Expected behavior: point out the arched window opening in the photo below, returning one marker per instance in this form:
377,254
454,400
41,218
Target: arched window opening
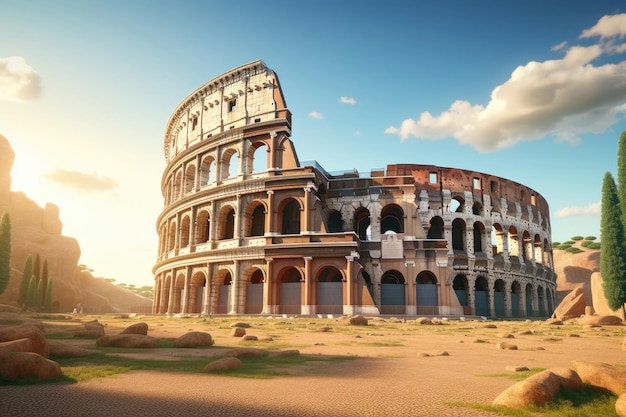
479,230
207,168
392,219
528,246
230,164
392,277
481,297
257,277
172,239
459,284
178,184
198,283
335,222
529,301
259,158
435,231
426,277
290,291
226,223
457,205
458,235
190,178
291,218
477,208
362,223
203,225
184,232
330,274
392,293
497,239
513,242
538,250
498,298
516,291
257,226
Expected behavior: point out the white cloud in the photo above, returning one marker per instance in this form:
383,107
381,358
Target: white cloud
81,181
347,100
563,98
18,81
591,210
559,46
607,27
316,115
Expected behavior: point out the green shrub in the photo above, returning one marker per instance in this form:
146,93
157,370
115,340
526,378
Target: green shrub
573,249
577,238
556,244
590,238
594,245
569,242
564,246
586,243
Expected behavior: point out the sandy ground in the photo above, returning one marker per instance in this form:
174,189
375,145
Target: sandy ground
390,377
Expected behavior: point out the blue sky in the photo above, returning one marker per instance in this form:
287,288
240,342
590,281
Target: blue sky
533,91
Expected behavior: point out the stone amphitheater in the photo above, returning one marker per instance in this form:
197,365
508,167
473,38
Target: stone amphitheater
248,228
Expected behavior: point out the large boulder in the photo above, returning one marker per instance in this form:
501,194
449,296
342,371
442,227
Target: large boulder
539,388
127,341
223,364
137,328
18,365
598,320
238,332
358,321
34,333
620,406
19,345
92,329
193,339
602,375
573,305
59,349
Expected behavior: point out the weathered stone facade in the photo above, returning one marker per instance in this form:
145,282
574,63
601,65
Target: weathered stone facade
249,229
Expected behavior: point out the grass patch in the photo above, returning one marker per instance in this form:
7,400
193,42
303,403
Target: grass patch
516,376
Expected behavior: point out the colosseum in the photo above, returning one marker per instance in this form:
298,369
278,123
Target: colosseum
248,228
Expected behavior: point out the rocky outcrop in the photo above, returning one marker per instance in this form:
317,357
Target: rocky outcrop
18,365
38,230
573,305
137,328
127,341
193,339
34,333
224,364
602,375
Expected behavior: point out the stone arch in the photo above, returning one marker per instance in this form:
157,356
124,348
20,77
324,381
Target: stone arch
177,294
255,219
513,242
541,301
258,156
289,216
435,230
290,290
335,222
254,290
527,249
481,297
478,232
362,223
477,208
329,281
207,170
457,204
196,293
458,235
461,287
392,219
226,223
538,250
392,292
550,297
516,299
498,298
166,286
203,226
230,164
185,228
426,295
223,280
172,236
190,178
497,239
530,311
178,185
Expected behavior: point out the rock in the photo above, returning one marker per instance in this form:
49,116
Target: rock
554,322
246,353
127,341
537,389
194,339
92,329
506,346
602,375
137,328
423,320
569,378
249,338
224,364
358,321
573,305
285,353
238,332
505,336
598,320
59,349
620,406
240,324
40,344
18,365
490,326
19,345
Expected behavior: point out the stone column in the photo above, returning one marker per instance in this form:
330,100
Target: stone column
235,289
268,288
508,305
411,302
307,210
269,218
206,297
170,300
307,291
237,232
491,292
348,307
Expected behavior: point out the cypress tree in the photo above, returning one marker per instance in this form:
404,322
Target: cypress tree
37,268
621,175
48,303
32,291
38,295
5,251
44,279
613,253
22,297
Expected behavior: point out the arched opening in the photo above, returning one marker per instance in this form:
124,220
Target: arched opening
457,205
190,178
435,230
541,302
479,231
460,286
179,286
392,219
207,171
335,222
330,291
426,294
254,292
226,226
528,246
178,185
513,242
224,279
198,284
550,297
458,235
392,293
538,250
477,208
362,223
530,312
230,164
481,297
516,292
165,302
255,220
172,237
259,157
184,232
497,239
290,291
203,227
290,217
498,298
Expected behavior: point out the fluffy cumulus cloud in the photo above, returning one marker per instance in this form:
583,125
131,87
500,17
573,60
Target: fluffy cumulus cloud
316,115
347,100
564,98
590,210
81,181
18,81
